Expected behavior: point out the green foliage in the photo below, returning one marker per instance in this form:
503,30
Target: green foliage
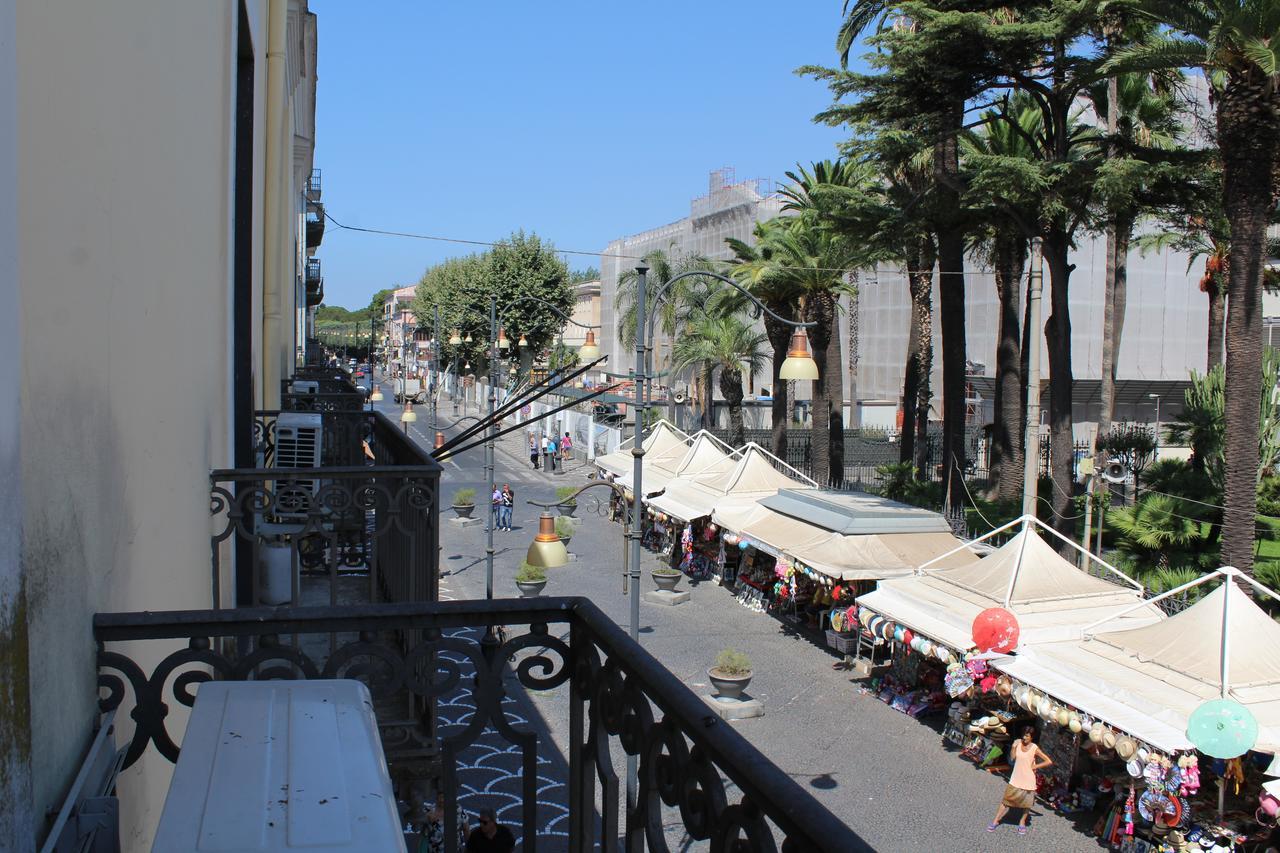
566,495
733,662
464,497
1267,573
517,267
564,527
528,573
666,570
1163,580
1135,444
580,276
898,483
1165,533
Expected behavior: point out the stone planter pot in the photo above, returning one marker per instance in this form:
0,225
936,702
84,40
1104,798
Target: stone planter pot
464,510
728,686
564,540
666,581
567,509
530,589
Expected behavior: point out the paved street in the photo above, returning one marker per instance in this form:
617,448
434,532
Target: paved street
885,774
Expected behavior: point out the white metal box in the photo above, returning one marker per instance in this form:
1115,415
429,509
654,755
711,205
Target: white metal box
280,766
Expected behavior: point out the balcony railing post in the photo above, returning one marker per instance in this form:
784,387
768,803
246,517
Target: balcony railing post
582,759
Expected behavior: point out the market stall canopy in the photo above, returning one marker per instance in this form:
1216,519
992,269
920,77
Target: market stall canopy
706,455
757,473
856,512
867,556
663,436
1148,680
1052,598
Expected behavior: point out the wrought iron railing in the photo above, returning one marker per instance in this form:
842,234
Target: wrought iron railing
697,778
351,516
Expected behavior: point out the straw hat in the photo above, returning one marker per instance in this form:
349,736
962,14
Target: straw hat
1063,716
1126,747
1073,723
1095,732
1004,686
1109,739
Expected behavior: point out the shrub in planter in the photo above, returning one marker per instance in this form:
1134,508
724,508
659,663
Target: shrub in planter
566,504
530,580
464,502
731,674
564,529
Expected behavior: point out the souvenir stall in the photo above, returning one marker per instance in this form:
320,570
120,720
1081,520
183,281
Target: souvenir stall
705,454
662,437
1179,720
755,474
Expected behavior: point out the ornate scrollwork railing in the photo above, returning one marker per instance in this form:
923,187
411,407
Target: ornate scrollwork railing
699,779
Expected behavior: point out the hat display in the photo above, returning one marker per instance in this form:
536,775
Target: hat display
1095,732
1063,716
1074,724
1109,739
1126,748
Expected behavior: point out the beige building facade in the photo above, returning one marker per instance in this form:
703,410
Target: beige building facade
153,250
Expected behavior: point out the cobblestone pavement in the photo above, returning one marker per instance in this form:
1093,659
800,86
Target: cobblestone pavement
885,774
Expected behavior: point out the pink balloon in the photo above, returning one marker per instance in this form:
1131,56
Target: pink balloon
995,630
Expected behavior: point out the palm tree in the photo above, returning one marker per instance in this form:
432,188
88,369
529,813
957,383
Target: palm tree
725,342
677,305
752,268
1236,44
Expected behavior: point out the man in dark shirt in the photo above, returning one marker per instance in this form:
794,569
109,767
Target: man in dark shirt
490,836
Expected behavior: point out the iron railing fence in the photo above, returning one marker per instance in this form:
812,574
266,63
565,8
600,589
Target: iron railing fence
698,778
350,516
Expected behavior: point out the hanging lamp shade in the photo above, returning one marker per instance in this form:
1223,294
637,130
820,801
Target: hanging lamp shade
467,339
376,394
455,338
439,440
799,364
503,343
590,350
523,342
466,366
408,416
547,550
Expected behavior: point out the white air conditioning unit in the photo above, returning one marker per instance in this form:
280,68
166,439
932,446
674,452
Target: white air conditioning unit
299,436
304,386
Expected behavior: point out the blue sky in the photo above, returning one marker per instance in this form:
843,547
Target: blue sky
582,121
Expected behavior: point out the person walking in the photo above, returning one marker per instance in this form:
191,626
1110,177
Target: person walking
504,511
1020,793
533,451
495,508
555,452
431,836
490,836
566,447
546,453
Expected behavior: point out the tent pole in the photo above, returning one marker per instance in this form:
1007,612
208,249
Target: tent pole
1017,566
962,546
1225,649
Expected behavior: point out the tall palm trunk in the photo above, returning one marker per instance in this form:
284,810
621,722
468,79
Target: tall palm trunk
1217,293
835,398
951,233
914,447
1248,132
820,309
855,318
1058,337
731,390
1006,434
779,338
709,397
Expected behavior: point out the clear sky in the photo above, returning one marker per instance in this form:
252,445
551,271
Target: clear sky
581,121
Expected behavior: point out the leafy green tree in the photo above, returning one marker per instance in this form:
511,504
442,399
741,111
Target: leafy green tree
726,342
580,276
1235,43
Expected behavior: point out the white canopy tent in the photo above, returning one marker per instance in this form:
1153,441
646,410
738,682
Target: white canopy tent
842,557
662,437
706,455
1148,680
1052,598
758,473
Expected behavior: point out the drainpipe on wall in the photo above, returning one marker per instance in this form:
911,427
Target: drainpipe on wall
272,200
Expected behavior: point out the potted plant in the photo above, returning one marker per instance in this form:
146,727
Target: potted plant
566,503
731,674
464,502
666,578
564,529
531,579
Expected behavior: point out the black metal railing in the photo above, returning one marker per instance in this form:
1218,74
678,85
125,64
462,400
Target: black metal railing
698,778
314,186
313,272
315,224
350,516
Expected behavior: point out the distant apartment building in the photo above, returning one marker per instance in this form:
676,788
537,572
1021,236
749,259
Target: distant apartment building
156,270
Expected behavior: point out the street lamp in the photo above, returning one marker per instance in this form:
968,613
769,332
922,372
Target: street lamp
589,351
408,416
1156,397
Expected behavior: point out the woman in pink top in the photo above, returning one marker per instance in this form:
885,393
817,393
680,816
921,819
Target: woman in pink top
1020,793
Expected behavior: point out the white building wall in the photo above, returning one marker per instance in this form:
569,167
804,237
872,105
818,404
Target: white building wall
125,138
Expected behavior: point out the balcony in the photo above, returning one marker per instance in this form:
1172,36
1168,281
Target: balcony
314,283
698,778
315,225
313,186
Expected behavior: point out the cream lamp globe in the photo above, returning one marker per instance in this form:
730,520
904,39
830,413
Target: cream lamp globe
799,364
547,550
590,350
